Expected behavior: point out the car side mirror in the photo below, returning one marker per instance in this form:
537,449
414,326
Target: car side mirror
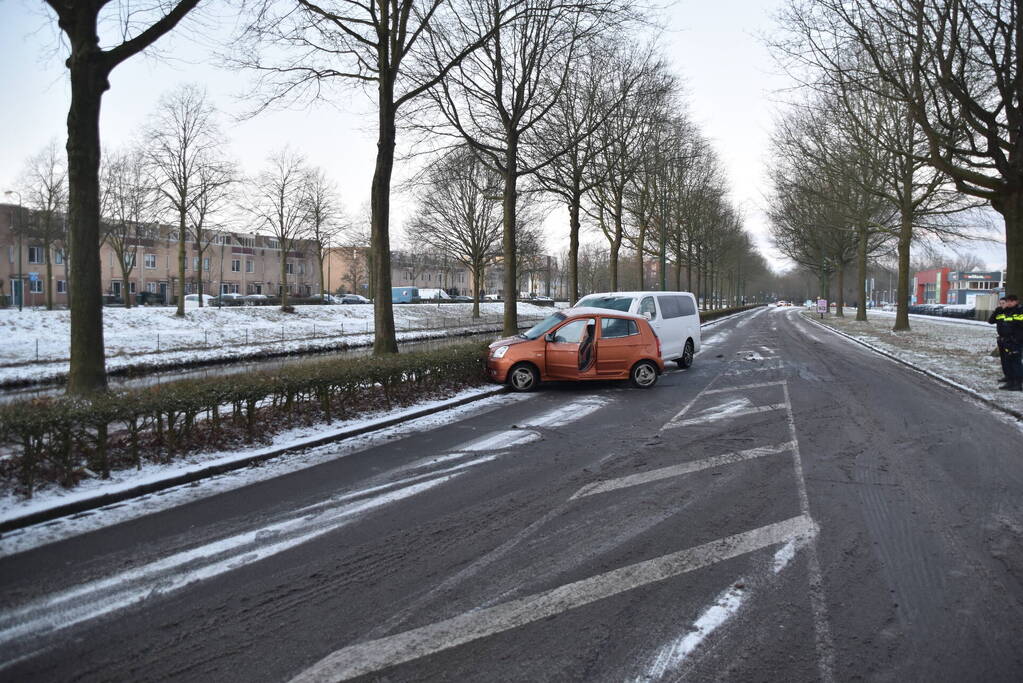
549,337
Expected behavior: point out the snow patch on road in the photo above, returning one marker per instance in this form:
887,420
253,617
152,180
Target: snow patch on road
672,655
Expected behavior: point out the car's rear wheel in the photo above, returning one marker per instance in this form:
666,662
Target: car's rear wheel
687,356
643,375
523,377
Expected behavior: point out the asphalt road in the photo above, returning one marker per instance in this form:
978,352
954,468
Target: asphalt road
790,508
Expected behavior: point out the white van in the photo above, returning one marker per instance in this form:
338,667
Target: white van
674,316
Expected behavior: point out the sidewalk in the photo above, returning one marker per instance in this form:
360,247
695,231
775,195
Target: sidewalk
960,353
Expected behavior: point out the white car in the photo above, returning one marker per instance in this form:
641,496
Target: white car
193,299
674,316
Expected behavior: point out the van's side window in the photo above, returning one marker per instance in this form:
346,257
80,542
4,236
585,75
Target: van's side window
647,306
688,308
670,306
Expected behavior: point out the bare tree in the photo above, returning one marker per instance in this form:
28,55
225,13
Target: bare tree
213,190
495,97
128,205
44,182
182,138
456,217
326,223
278,202
90,65
954,66
394,45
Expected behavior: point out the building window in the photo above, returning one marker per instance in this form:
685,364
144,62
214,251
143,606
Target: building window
35,254
250,266
301,268
58,256
151,287
129,259
247,241
150,261
61,286
10,254
236,265
195,263
131,287
35,286
206,264
289,268
272,243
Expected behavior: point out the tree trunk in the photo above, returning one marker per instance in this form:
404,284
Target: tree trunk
640,245
384,340
861,269
476,274
902,289
1010,206
182,255
511,321
49,277
573,246
126,287
840,300
87,373
198,277
284,277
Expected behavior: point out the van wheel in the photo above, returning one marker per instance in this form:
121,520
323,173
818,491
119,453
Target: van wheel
523,377
643,375
687,356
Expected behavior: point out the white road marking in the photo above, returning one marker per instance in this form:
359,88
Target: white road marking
501,441
728,410
744,387
96,598
824,643
673,654
559,417
784,556
681,469
367,657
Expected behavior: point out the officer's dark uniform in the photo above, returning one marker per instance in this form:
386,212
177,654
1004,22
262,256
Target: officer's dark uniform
1010,341
1002,332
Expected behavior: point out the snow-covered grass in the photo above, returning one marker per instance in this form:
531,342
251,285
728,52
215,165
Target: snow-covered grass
961,352
36,342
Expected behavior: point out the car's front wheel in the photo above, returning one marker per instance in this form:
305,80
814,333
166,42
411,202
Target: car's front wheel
523,377
643,375
687,356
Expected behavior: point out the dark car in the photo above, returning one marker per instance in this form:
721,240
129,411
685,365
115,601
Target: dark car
354,299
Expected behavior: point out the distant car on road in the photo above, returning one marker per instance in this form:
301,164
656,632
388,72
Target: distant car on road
491,297
254,299
579,344
228,299
461,297
354,299
193,299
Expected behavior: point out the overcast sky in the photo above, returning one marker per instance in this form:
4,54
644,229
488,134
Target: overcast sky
714,46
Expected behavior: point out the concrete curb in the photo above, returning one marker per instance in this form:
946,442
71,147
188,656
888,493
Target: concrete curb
105,499
1012,412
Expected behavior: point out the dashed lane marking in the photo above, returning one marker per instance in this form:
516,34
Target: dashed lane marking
682,469
744,387
713,417
374,655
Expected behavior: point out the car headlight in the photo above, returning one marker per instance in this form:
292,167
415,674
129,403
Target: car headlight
500,351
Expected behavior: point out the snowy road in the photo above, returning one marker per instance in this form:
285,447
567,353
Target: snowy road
791,508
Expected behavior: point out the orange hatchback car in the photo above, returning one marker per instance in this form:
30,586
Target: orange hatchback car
579,344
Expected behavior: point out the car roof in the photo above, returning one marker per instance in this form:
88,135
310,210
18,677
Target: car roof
605,312
646,293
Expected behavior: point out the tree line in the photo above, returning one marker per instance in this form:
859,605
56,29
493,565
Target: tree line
907,122
516,98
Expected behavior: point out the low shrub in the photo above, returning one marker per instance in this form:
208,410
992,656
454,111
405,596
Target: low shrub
66,439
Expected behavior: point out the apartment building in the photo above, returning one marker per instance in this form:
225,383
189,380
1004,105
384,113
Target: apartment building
246,263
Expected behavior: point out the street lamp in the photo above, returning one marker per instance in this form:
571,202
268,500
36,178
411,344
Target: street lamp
21,280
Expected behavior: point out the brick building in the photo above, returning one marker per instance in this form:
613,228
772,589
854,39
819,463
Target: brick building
931,286
246,263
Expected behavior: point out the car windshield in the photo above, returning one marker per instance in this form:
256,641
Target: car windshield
614,303
539,329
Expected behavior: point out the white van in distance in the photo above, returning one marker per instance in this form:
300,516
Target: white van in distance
673,315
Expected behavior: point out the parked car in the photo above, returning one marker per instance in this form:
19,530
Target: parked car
354,299
193,299
255,299
491,297
674,316
579,344
228,299
462,298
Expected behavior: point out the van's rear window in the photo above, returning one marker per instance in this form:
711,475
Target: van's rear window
614,303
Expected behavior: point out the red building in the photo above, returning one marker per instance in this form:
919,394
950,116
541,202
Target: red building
932,286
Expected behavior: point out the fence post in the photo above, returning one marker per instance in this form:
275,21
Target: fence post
157,341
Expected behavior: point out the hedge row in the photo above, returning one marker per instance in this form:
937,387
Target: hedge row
64,439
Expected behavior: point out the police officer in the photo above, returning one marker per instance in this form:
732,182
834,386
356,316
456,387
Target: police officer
1000,332
1009,321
